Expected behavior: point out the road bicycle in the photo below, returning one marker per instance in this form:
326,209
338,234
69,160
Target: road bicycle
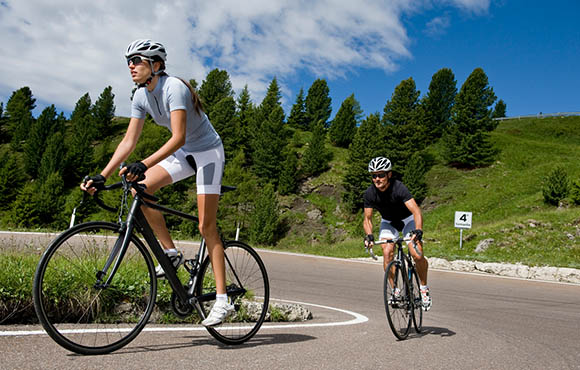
401,291
95,286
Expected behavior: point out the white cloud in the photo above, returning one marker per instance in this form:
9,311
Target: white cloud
64,48
438,26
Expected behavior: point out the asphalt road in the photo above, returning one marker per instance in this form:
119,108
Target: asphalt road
477,322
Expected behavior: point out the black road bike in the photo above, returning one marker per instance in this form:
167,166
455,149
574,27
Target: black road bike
401,291
95,286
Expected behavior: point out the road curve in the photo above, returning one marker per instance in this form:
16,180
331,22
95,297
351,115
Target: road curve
477,321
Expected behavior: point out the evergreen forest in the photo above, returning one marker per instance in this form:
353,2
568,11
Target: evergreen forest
300,175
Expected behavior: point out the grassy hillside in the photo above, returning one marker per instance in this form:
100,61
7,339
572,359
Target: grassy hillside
505,199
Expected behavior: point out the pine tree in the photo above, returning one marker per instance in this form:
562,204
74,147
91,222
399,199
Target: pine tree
3,134
414,177
268,145
50,201
273,98
82,131
53,157
270,136
193,83
44,127
224,120
316,157
318,103
24,211
500,109
403,119
367,144
12,177
467,142
18,116
297,117
289,176
235,206
244,113
215,87
400,109
343,126
439,101
264,219
104,111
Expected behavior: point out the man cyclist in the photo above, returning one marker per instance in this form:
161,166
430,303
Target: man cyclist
399,213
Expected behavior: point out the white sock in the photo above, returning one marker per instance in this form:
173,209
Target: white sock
221,297
424,287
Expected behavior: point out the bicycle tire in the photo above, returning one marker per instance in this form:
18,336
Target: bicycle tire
397,305
245,272
417,301
74,312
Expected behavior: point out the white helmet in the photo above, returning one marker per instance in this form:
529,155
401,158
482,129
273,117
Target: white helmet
146,48
379,164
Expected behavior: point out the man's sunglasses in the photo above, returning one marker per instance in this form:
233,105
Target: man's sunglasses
137,59
379,175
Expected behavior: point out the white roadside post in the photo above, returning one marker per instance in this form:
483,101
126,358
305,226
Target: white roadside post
462,221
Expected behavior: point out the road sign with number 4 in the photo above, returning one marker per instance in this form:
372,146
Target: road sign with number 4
463,220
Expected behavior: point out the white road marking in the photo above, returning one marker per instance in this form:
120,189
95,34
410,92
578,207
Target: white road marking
357,319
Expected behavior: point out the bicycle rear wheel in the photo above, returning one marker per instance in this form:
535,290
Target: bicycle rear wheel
248,290
397,302
81,316
417,301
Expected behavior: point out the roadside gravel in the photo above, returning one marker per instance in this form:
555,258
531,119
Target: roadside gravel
559,274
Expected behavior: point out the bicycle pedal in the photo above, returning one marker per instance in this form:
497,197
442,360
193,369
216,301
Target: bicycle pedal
189,265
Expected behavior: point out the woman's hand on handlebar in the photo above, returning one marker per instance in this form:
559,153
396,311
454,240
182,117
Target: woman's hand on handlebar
134,171
91,184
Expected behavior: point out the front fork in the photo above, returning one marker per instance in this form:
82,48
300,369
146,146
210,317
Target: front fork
119,249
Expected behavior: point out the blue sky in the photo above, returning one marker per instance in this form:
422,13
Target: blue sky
530,50
530,53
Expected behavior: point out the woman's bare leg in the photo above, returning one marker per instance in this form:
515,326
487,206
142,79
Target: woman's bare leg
207,207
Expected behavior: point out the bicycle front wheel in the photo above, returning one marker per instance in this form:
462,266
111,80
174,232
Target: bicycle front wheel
397,302
417,301
77,312
248,290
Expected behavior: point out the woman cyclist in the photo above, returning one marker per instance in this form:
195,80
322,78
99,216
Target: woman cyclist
173,103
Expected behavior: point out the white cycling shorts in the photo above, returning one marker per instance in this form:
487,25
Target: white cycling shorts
388,231
209,166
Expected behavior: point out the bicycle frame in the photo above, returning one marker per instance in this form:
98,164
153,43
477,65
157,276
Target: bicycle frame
135,220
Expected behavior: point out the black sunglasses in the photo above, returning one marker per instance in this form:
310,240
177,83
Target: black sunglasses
381,175
137,59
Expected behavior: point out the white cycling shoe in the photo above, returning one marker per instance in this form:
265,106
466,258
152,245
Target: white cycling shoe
426,299
219,312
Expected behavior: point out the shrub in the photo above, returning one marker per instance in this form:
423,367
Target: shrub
575,192
556,186
264,219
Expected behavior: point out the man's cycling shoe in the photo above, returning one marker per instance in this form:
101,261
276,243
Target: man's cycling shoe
426,299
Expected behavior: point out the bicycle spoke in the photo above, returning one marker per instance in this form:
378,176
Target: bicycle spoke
397,301
244,271
76,313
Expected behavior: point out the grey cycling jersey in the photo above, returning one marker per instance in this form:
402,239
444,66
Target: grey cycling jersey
171,94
